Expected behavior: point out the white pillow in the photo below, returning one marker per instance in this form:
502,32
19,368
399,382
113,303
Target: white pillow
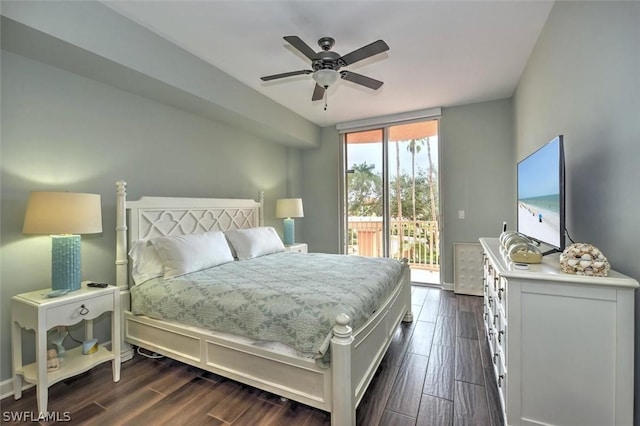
255,242
146,263
182,254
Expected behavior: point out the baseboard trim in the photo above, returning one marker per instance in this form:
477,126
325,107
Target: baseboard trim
6,388
447,286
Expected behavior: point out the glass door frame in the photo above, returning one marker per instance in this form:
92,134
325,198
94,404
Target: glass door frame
344,221
386,221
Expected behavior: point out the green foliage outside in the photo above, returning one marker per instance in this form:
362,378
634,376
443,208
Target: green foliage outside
365,192
414,194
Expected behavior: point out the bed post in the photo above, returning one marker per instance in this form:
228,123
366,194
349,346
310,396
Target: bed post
408,316
261,215
122,264
121,236
343,410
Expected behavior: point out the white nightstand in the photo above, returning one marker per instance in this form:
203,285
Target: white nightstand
40,313
297,247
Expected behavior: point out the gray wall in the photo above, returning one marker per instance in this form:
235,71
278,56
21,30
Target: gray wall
321,189
89,38
583,80
477,175
65,132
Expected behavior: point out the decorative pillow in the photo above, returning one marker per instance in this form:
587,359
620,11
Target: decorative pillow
182,254
255,242
146,263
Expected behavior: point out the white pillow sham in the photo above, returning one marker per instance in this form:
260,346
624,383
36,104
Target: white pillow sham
255,242
182,254
146,263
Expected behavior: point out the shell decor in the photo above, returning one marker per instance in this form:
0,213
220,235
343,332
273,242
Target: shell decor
584,259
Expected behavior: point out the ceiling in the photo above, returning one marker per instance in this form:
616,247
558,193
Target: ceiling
442,53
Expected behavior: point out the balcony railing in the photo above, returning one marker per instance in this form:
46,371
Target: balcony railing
417,241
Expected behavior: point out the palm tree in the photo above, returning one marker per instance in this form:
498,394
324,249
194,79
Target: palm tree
414,147
399,199
434,210
364,189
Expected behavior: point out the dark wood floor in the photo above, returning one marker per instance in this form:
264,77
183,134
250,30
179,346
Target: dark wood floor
436,372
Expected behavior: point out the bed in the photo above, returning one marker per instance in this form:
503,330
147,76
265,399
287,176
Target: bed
331,374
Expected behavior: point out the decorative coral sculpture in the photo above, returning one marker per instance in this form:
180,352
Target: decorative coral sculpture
584,259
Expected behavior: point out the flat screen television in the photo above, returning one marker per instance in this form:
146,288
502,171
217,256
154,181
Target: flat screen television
541,192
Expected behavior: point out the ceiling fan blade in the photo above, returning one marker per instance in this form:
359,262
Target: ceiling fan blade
363,53
285,74
303,47
363,80
318,93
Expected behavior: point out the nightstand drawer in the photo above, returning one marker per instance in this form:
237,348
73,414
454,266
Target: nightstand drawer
74,311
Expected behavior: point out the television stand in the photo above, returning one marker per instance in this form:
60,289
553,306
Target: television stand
552,251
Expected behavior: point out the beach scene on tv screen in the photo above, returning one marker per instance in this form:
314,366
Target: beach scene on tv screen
539,195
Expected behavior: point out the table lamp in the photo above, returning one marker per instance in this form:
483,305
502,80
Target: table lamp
63,215
288,208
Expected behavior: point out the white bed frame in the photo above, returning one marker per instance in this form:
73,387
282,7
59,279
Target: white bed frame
355,355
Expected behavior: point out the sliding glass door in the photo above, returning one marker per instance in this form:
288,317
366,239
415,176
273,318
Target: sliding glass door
391,195
365,194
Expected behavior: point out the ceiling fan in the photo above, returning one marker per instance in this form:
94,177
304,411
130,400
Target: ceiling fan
326,64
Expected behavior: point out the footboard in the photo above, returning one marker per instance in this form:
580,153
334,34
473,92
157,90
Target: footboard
292,377
356,357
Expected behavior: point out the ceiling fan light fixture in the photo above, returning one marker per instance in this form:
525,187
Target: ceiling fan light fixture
325,65
326,77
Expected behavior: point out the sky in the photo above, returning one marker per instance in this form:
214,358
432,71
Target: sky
372,153
538,174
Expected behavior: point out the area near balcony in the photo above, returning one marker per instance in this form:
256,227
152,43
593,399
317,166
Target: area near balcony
392,196
417,241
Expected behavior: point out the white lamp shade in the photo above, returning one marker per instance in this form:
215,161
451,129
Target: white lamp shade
56,213
289,207
326,77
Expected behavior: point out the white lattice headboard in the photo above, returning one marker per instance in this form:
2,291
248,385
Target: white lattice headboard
151,217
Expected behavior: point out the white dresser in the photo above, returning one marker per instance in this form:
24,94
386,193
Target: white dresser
562,344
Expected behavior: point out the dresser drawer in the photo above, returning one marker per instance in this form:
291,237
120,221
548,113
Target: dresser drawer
501,382
75,311
502,294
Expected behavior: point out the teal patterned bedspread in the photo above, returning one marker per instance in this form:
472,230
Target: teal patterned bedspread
291,298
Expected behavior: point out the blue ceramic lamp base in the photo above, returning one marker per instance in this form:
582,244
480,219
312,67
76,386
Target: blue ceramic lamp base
289,232
65,262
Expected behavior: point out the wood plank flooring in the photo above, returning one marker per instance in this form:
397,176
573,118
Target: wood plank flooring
437,371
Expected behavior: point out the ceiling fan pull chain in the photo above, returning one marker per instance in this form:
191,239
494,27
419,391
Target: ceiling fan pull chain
325,98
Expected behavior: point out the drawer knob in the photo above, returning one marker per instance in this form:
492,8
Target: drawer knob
84,310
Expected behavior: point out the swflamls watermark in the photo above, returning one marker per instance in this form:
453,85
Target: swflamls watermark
30,416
